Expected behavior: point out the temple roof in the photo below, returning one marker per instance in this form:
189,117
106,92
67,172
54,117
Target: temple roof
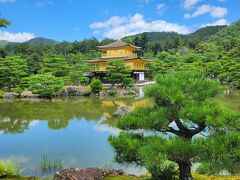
118,44
104,60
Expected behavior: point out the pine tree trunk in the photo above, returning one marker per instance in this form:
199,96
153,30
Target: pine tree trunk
185,170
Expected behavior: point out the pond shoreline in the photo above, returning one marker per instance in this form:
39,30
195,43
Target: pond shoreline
77,91
81,90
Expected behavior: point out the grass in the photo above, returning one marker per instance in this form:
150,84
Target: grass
195,177
8,169
210,177
23,178
124,178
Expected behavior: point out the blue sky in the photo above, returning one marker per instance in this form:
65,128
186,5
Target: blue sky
78,19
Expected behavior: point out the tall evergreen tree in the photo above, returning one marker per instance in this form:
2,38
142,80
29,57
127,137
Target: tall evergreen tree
57,66
12,69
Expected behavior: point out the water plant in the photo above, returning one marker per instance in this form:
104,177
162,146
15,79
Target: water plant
44,163
60,164
47,165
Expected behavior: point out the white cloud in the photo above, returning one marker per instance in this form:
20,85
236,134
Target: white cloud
189,3
106,128
15,37
113,21
6,1
16,158
187,16
117,27
219,22
160,6
34,123
216,12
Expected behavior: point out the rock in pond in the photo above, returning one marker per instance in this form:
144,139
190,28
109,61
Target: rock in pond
86,174
28,94
123,110
77,91
10,95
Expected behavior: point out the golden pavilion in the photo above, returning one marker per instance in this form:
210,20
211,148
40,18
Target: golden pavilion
119,50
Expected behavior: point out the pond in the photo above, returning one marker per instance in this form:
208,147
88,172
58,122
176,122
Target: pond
73,131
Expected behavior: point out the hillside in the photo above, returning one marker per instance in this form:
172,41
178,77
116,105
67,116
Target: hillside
38,41
202,33
153,36
205,32
3,43
41,41
228,37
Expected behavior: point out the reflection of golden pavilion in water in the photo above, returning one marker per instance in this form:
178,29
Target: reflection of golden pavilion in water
142,103
135,105
113,103
118,103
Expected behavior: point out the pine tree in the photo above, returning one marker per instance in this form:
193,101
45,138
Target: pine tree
185,125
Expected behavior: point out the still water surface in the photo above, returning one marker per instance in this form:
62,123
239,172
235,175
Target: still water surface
73,130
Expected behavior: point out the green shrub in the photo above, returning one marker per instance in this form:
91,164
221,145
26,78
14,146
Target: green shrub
18,90
202,169
166,170
128,82
8,169
112,92
25,82
67,80
84,81
46,85
1,93
96,86
75,77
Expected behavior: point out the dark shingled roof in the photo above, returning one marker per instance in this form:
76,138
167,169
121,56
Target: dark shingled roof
117,44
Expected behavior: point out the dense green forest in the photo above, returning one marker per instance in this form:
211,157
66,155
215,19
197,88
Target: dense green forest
158,41
212,50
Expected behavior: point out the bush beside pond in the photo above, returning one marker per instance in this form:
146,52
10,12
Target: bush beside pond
96,86
8,169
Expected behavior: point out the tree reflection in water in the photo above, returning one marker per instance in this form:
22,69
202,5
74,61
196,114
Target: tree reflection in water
17,115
